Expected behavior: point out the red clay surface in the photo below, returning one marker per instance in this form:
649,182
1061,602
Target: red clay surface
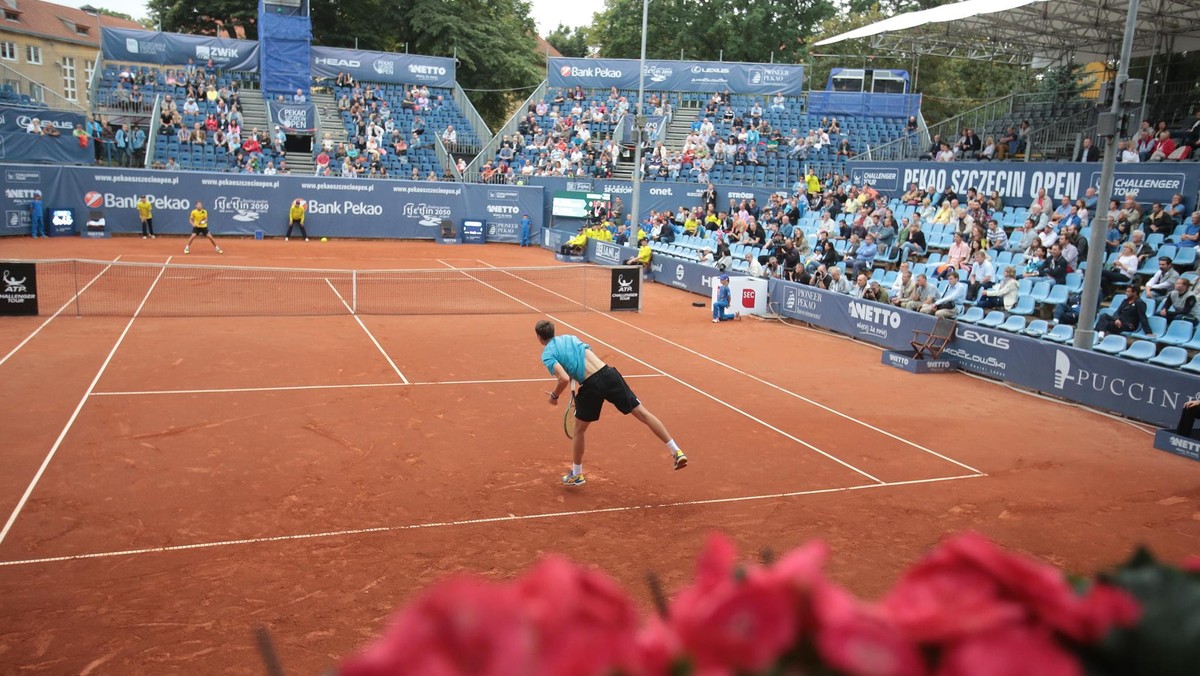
321,437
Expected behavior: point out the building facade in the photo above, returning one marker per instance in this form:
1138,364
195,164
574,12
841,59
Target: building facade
48,52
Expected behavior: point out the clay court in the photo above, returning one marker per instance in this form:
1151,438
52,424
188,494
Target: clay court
176,482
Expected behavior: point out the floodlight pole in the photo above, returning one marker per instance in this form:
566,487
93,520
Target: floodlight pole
1085,330
639,125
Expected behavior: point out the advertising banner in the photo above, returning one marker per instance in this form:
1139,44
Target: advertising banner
17,144
626,289
1019,182
240,204
174,49
657,195
18,289
863,103
431,71
294,118
19,185
679,76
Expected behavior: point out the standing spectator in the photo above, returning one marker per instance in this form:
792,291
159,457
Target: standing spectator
525,224
122,144
37,216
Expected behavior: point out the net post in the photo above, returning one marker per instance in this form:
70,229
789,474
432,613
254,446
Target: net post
75,274
354,292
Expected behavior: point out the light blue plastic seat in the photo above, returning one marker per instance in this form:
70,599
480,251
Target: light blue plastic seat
1140,350
1014,324
993,319
1112,344
1170,357
972,315
1178,332
1037,328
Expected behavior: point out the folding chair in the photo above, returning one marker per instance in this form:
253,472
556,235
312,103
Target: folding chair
934,341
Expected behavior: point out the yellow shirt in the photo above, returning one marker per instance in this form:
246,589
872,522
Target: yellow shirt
578,240
690,225
943,216
199,218
296,213
644,254
814,183
144,209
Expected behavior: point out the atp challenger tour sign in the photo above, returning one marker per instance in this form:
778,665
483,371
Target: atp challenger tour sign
18,289
626,288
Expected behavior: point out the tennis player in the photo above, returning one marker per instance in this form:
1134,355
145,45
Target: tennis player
296,219
199,221
569,359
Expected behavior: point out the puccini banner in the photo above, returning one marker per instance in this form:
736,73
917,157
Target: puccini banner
679,76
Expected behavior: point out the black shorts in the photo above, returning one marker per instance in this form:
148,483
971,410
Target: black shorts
604,385
199,231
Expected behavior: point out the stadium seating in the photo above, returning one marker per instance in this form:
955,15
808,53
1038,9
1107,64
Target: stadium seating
1170,357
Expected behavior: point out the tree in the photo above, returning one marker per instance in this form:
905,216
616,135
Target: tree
205,18
568,41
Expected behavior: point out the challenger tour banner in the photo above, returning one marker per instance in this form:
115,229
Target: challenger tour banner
174,49
1019,182
431,71
679,76
240,204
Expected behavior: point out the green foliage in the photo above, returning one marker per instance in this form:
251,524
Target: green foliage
1064,84
187,16
569,41
760,31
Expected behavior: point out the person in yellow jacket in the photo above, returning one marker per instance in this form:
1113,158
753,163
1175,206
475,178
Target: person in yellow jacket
296,219
146,214
643,256
812,182
575,245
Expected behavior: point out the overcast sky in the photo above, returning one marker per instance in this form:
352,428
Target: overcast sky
548,14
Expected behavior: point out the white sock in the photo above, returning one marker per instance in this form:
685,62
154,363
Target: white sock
672,446
576,469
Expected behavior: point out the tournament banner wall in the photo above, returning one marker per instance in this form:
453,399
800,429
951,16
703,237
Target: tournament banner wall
1019,182
18,145
655,195
679,76
240,204
863,103
431,71
174,49
295,118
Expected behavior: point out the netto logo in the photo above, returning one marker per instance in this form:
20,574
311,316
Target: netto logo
875,314
503,209
244,210
13,285
973,336
417,69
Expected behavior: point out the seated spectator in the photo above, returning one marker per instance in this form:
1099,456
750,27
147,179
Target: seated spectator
1004,294
1176,208
1163,147
1181,303
949,304
838,282
982,275
864,259
859,289
922,296
1122,270
1128,317
299,96
1191,233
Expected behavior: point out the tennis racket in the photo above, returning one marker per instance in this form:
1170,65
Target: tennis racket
569,415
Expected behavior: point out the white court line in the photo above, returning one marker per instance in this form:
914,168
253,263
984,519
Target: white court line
369,334
686,384
349,386
71,421
768,383
60,310
471,522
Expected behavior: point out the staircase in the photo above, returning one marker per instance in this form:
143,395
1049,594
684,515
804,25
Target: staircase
677,131
329,119
254,115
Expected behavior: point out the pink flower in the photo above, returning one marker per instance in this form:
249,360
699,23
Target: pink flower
1012,651
726,623
1105,607
585,622
859,640
461,626
658,648
1191,564
941,599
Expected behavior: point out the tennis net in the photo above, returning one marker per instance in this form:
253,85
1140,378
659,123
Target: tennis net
102,288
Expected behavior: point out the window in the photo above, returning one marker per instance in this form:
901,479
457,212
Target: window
70,89
11,14
37,92
89,67
33,55
8,51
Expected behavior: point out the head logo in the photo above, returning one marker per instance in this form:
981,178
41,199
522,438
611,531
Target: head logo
93,200
1062,369
13,285
679,273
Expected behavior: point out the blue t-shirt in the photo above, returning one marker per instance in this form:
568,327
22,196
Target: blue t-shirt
568,351
723,295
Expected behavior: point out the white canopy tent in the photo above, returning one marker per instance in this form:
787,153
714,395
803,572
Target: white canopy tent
1040,32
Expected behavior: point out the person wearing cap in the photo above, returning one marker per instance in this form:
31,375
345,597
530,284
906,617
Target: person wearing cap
37,216
296,219
720,306
643,256
145,211
278,139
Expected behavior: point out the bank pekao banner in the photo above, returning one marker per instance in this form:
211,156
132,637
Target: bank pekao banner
678,76
18,288
365,66
174,49
1019,182
241,204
